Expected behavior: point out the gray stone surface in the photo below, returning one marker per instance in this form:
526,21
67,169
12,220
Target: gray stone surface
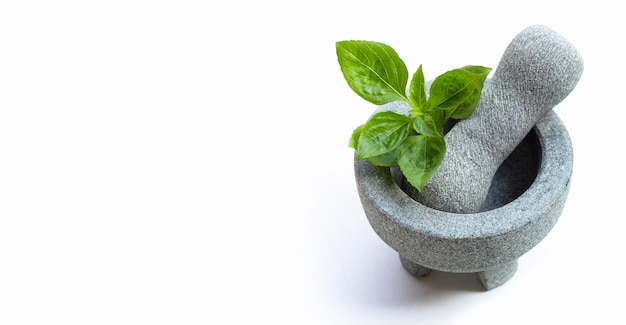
487,242
414,268
498,275
504,179
537,71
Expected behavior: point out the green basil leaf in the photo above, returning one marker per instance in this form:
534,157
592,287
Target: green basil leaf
384,132
354,139
453,88
389,159
417,90
419,157
466,108
427,125
373,70
484,71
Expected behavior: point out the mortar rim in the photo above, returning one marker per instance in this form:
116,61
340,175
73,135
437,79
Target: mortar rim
552,180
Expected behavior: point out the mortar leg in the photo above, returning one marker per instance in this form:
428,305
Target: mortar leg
497,275
414,268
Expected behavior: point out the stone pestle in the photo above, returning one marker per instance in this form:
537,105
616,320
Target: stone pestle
537,71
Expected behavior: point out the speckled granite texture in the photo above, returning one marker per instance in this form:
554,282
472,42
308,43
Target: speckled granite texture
506,180
537,71
486,242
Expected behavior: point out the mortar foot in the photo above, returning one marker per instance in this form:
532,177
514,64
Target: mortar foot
497,275
414,268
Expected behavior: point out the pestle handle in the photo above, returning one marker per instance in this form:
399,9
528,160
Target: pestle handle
537,71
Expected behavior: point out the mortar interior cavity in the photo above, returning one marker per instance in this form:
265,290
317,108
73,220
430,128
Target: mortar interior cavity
513,177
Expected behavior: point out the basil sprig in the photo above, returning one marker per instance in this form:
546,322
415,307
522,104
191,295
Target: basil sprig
415,141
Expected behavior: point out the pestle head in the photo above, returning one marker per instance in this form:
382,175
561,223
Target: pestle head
537,71
541,67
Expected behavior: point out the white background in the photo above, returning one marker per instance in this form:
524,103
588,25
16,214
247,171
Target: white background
186,162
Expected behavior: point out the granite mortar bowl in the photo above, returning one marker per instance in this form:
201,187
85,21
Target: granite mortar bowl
525,200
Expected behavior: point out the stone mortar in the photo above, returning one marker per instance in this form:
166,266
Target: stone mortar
524,202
